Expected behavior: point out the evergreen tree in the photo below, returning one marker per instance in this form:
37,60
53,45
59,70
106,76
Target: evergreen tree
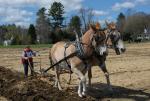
75,24
56,12
32,34
121,22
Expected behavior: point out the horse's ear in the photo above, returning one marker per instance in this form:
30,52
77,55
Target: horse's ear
92,27
95,27
113,25
98,26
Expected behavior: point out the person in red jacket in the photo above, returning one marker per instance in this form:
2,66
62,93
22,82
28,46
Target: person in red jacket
27,60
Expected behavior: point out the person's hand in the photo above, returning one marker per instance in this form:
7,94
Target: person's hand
35,54
26,58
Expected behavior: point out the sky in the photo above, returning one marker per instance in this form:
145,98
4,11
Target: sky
23,12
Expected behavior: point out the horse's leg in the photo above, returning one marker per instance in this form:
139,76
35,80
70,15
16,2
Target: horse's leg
57,81
89,76
80,89
56,77
83,79
82,84
103,67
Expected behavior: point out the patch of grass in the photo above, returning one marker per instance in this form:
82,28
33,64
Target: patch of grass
33,46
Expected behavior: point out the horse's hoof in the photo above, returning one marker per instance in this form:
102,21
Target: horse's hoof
83,96
80,95
60,89
83,93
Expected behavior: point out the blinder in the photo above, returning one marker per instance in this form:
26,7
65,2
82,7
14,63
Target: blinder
113,37
99,37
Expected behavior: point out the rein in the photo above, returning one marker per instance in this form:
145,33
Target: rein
108,36
90,46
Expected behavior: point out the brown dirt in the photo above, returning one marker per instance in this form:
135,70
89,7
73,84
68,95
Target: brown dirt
129,75
15,87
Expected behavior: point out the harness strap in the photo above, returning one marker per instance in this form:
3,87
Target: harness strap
79,49
84,60
107,38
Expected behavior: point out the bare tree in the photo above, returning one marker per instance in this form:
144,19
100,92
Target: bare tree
90,16
87,16
83,17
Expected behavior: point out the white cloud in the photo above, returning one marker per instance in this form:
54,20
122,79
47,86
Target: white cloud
15,15
69,5
119,6
129,4
99,12
102,23
15,12
109,18
145,2
140,1
17,3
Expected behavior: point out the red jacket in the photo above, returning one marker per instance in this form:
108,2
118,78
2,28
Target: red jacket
27,53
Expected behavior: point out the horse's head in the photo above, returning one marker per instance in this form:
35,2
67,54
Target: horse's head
115,38
98,40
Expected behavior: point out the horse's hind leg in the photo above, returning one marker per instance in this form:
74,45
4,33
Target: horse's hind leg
56,77
57,81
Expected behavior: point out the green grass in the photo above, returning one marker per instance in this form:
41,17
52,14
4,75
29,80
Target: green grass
33,46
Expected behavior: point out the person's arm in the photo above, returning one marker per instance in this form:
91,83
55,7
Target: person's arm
33,53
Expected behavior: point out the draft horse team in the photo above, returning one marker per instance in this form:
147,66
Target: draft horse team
91,50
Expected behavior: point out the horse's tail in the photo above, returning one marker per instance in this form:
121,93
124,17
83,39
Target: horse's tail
50,58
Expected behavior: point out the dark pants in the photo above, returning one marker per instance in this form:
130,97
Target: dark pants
26,65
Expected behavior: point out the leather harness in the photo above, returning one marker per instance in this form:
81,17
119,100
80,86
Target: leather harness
79,52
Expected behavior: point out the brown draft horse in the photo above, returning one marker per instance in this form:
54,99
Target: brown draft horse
90,41
114,40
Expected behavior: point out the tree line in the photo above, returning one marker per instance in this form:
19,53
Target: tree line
132,25
51,26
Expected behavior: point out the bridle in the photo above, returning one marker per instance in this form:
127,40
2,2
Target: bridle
111,36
